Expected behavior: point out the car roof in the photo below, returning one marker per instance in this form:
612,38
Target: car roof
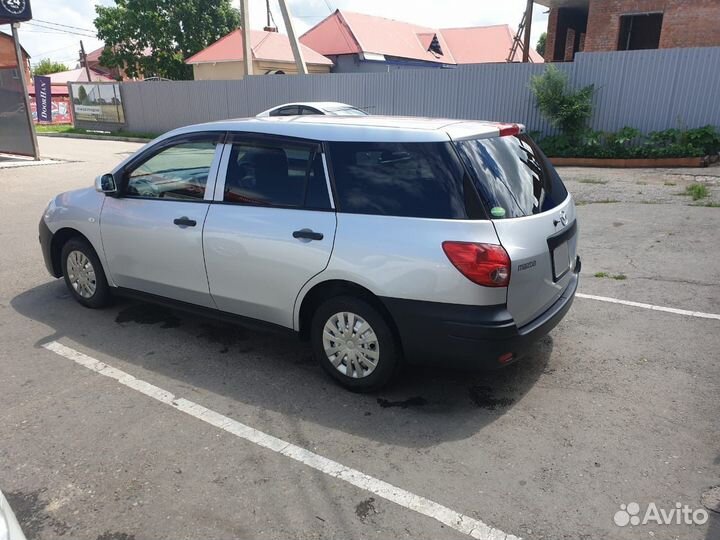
355,128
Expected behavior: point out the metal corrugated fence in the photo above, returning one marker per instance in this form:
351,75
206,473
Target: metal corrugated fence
650,90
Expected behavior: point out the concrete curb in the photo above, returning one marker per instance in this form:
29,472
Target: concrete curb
95,137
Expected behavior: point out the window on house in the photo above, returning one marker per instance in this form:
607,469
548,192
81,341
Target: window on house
640,31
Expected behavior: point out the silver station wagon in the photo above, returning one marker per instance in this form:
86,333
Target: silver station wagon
385,241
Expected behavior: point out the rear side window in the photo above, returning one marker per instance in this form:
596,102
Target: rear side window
270,174
512,175
398,179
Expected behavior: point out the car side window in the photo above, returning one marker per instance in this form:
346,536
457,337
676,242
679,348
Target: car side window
308,111
422,180
292,110
269,174
179,172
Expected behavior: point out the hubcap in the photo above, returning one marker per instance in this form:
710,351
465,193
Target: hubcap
81,274
351,345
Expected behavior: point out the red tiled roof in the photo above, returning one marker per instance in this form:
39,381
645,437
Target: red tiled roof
481,44
345,32
268,46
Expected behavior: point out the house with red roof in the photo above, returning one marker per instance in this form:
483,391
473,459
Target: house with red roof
357,42
271,51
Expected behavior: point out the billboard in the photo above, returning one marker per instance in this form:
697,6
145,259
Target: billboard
97,103
60,110
15,11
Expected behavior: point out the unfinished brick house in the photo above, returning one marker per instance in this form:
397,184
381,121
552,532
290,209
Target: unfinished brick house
621,25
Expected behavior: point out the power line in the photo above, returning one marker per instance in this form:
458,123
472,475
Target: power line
60,30
64,25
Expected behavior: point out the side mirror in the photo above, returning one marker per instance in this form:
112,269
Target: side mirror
106,184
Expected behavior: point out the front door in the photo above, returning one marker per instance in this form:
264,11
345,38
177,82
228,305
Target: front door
271,228
152,232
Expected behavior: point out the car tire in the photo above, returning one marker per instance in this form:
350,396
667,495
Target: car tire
84,275
347,352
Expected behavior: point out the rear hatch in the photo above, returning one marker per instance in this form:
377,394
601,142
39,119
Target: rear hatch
533,214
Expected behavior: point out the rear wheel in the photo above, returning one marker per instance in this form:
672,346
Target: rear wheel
354,344
83,274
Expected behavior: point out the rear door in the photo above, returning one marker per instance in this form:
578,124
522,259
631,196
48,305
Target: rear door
533,215
271,227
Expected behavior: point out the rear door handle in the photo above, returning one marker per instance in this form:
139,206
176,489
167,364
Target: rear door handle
184,222
308,234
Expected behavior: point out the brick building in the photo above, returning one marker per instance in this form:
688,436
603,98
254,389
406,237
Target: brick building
620,25
8,59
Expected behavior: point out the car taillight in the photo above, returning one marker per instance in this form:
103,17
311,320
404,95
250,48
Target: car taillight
509,129
484,264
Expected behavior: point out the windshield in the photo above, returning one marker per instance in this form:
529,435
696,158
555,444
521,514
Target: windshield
512,175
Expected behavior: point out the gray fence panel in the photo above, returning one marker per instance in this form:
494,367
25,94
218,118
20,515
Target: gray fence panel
132,99
649,90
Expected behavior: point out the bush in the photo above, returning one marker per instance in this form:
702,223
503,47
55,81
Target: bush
629,143
565,109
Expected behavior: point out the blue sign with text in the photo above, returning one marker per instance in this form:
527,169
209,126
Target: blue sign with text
43,98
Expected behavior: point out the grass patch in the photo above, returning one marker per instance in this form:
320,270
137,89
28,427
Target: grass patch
52,128
709,204
670,184
605,201
641,183
697,191
619,277
592,181
601,274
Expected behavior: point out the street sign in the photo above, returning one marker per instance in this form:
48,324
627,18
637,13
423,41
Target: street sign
43,98
14,11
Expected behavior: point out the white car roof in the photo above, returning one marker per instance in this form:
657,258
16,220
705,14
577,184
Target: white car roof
355,128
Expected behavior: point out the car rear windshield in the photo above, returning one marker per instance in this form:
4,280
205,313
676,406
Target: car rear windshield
512,175
398,179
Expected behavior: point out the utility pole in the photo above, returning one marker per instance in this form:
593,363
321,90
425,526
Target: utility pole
83,61
21,68
297,52
528,28
247,45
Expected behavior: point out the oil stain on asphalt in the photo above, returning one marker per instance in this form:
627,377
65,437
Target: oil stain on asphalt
416,401
29,509
365,508
148,314
484,397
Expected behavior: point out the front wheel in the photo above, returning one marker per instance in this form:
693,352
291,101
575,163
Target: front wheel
354,344
84,274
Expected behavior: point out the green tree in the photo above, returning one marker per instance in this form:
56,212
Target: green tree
47,66
567,109
155,37
541,43
82,95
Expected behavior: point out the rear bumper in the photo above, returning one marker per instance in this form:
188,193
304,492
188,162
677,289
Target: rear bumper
464,336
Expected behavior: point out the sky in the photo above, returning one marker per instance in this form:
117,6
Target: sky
43,40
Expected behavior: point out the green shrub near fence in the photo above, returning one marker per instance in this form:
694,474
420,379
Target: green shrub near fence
629,143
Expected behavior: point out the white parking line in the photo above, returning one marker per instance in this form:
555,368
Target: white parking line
460,522
676,311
